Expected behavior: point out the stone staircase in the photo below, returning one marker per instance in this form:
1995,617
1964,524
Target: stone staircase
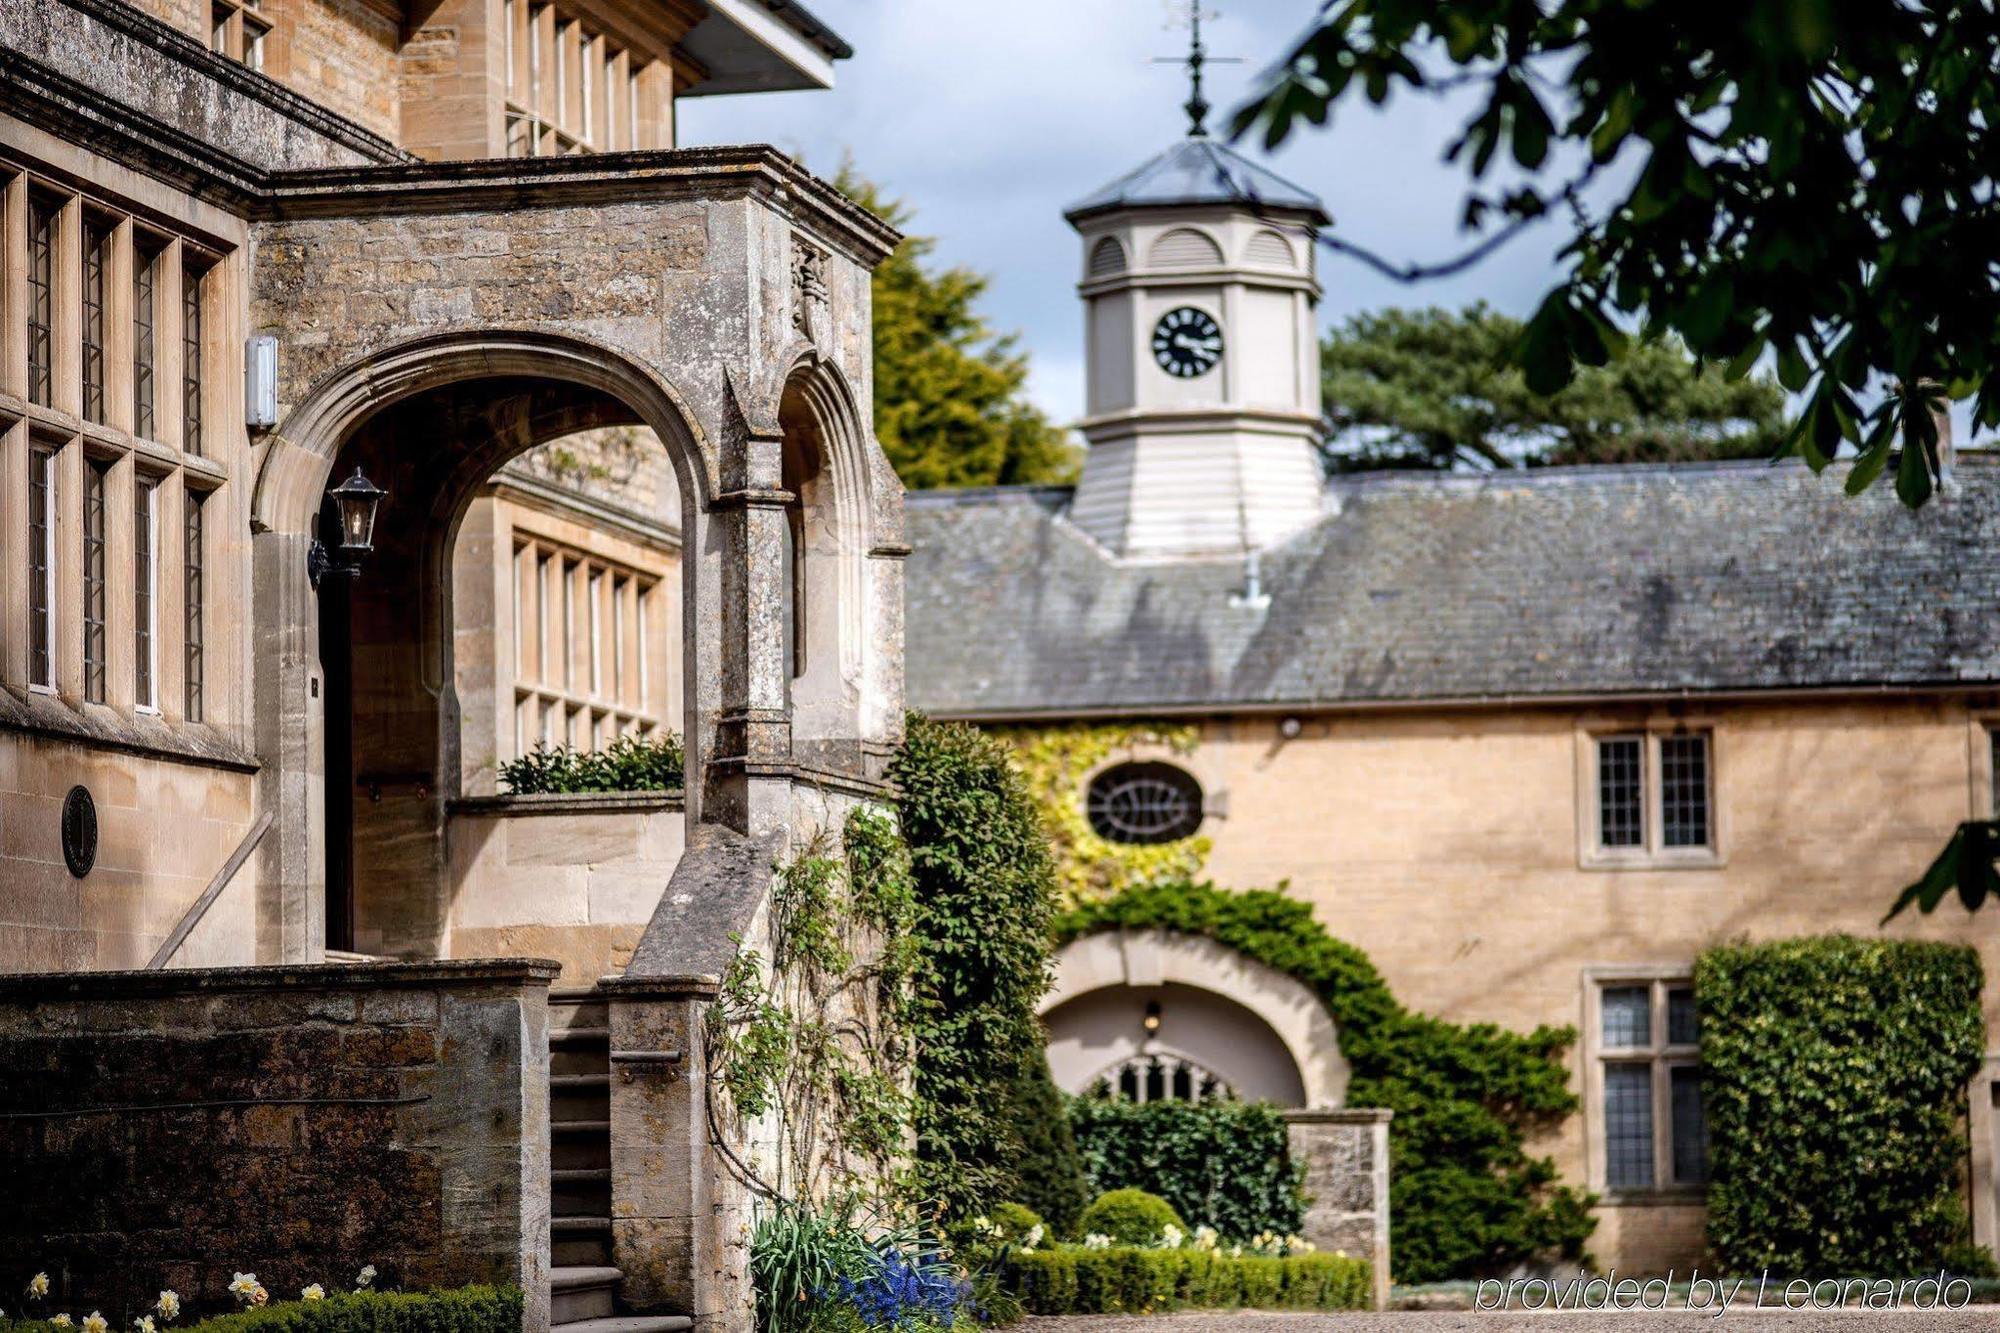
583,1283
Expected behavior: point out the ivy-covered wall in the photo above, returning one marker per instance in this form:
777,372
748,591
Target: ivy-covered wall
1056,763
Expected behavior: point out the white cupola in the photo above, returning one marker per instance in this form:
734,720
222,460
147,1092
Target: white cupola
1201,356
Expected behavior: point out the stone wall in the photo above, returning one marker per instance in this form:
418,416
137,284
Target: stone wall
571,878
166,1129
1346,1158
164,828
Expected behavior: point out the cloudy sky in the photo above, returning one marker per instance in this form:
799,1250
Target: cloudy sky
990,118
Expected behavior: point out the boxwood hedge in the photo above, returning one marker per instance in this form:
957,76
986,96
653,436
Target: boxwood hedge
462,1310
1070,1280
1835,1075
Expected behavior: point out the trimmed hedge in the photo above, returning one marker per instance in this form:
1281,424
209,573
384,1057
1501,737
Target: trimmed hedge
462,1310
1835,1074
1223,1164
1133,1281
1466,1199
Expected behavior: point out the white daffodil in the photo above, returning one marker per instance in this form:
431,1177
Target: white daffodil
94,1323
60,1321
38,1285
169,1305
1034,1237
315,1292
1097,1240
143,1324
364,1277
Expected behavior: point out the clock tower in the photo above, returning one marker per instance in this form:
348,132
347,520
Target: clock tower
1202,360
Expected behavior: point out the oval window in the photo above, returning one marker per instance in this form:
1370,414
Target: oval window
1144,803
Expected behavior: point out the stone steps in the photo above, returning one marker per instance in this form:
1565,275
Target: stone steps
583,1283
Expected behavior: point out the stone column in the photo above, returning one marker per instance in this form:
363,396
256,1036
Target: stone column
748,776
1346,1157
290,736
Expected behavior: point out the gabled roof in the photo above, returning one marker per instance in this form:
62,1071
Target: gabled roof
1199,170
1556,583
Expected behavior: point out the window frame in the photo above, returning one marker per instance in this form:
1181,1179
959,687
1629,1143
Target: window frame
1652,852
1660,1055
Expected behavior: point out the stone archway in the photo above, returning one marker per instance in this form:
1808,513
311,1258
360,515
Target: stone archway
1260,1031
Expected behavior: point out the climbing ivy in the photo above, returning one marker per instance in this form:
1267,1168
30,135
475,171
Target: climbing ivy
1466,1198
1055,761
818,1039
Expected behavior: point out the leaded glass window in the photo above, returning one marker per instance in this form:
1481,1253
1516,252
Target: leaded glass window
1684,791
41,568
1628,1126
1621,791
96,266
1650,1114
193,569
145,600
42,213
145,290
1144,803
94,516
191,361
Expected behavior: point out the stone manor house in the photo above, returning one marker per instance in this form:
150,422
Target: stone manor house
1531,741
262,261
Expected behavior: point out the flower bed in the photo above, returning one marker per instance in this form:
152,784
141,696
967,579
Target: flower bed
1129,1280
464,1310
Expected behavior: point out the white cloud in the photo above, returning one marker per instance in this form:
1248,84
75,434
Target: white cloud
990,119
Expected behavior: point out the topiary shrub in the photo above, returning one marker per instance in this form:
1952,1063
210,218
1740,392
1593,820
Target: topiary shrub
985,891
1049,1176
1130,1217
1222,1164
1466,1199
1012,1221
1834,1073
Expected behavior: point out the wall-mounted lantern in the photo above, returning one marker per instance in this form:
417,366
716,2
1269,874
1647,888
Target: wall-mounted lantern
1152,1020
356,503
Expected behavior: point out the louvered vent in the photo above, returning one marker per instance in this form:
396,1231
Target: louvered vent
1107,257
1269,250
1184,247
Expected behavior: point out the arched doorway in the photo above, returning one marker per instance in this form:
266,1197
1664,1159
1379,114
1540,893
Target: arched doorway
1157,1015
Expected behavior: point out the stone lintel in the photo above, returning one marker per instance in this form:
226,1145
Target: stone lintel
43,986
568,803
1340,1115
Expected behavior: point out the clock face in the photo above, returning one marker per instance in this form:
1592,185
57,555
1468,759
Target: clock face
1187,342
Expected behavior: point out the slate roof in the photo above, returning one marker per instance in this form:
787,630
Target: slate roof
1198,170
1561,582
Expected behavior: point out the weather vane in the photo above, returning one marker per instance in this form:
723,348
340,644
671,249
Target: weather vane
1196,106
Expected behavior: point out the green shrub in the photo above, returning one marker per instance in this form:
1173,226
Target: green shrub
1130,1217
1049,1176
1015,1220
629,763
1070,1280
1466,1199
1222,1164
463,1310
986,893
1834,1080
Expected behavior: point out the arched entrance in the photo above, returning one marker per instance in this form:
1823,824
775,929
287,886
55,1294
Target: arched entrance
1155,1015
370,691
